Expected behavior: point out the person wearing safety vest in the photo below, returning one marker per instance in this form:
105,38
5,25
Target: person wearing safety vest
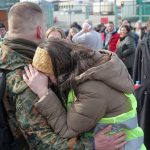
100,92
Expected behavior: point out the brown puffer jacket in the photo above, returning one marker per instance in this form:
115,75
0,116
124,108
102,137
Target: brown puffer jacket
99,94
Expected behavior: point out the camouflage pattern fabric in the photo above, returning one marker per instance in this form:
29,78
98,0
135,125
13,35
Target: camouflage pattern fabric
22,115
1,40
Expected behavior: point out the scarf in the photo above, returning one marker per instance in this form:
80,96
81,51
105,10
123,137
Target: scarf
24,47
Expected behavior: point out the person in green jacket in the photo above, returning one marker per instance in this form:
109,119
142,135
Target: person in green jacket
26,30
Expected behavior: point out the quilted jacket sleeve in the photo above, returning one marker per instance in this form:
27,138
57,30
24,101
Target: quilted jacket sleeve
34,126
82,115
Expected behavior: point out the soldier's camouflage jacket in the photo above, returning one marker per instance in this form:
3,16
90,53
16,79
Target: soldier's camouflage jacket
23,117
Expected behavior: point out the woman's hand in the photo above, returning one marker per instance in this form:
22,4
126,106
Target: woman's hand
37,81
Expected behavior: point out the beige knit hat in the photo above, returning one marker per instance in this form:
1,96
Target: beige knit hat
42,61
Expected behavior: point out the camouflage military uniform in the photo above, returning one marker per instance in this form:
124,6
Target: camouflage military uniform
1,40
23,117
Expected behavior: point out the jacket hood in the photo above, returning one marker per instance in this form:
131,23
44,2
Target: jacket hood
112,72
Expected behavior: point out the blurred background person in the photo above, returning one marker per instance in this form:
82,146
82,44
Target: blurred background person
141,74
2,32
55,32
124,22
72,31
100,28
146,29
119,24
74,25
126,48
110,37
132,33
88,37
139,29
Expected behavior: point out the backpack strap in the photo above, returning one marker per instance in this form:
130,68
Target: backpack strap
2,83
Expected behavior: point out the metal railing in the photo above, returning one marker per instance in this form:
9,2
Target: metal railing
130,10
134,11
63,15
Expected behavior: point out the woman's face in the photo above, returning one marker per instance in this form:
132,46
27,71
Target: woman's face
123,32
55,34
72,32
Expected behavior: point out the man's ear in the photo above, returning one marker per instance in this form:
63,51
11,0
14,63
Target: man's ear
53,79
39,32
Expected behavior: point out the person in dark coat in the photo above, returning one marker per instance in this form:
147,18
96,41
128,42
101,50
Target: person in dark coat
142,73
126,48
100,28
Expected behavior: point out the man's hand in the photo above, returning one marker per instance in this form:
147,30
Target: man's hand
86,27
113,142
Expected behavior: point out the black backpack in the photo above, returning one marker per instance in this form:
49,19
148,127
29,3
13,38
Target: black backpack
6,137
7,141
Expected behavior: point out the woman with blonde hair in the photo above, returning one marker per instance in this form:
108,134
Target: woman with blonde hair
55,32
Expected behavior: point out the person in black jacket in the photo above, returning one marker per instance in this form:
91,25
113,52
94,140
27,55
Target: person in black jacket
142,73
126,48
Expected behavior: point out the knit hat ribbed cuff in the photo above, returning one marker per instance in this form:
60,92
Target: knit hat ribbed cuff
42,61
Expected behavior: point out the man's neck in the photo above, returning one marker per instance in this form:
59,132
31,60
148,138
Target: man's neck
25,36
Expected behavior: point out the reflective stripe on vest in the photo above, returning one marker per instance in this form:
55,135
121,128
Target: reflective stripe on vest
126,122
71,97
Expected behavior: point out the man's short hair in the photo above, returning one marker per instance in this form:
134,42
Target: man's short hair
24,15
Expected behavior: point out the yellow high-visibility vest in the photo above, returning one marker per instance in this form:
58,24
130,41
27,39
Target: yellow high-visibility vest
126,122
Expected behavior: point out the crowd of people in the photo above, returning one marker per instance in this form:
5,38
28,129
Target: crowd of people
74,89
121,40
